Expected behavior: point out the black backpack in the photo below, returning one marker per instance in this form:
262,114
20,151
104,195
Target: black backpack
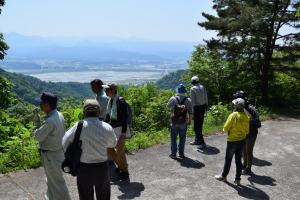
73,153
180,112
128,110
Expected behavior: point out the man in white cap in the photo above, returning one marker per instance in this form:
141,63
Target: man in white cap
199,102
96,137
237,128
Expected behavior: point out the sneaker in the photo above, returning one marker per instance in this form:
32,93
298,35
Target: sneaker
182,156
194,143
221,178
202,146
123,176
247,171
172,156
237,182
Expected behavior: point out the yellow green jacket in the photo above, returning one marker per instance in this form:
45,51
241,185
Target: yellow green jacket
237,126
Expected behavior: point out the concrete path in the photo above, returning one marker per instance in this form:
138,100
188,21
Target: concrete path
155,176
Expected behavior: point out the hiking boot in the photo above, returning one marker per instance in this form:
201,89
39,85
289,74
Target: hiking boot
194,143
237,182
247,171
172,156
123,176
221,178
201,146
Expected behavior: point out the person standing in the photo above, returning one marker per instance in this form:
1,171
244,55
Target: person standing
253,131
117,118
181,108
101,97
96,136
50,137
236,127
200,103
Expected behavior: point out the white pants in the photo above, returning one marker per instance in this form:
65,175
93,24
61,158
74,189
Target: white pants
57,188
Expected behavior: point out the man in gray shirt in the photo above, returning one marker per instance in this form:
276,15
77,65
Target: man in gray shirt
100,97
181,108
199,102
96,136
50,137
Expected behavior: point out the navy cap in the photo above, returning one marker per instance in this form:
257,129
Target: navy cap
47,97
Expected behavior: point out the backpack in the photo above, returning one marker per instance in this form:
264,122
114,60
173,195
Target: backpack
180,112
128,111
73,153
254,120
128,116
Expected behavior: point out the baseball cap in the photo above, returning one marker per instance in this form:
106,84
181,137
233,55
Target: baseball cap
110,86
239,103
47,97
91,105
195,79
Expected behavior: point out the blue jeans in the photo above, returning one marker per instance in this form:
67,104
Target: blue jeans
178,129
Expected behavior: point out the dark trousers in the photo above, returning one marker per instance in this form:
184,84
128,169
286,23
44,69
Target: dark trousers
92,176
234,148
199,112
248,151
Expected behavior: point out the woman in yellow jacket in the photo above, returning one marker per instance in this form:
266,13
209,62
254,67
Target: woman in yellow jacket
236,127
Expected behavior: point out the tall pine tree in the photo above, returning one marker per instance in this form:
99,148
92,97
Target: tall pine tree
259,36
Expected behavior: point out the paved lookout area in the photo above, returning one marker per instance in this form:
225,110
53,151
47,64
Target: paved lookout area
155,176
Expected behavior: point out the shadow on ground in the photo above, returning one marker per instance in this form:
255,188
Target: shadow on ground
190,163
209,150
130,190
261,180
249,191
261,163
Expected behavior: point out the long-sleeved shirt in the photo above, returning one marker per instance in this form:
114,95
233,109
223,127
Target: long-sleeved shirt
117,112
51,133
237,126
198,95
102,100
96,137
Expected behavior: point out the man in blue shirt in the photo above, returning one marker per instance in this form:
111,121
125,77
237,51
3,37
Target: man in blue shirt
100,96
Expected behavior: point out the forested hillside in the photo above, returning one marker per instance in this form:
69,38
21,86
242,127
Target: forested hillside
28,88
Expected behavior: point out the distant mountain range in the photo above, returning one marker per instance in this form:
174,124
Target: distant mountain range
99,50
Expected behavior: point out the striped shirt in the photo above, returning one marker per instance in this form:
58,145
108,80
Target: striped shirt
96,137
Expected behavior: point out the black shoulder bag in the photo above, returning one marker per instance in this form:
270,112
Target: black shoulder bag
73,153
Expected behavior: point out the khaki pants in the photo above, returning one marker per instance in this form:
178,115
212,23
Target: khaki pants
56,185
248,151
118,153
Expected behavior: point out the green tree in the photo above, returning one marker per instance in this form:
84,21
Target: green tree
5,92
249,33
3,45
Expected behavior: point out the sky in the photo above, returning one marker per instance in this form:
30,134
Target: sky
161,20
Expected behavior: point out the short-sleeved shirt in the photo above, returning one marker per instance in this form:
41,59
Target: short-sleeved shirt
173,101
